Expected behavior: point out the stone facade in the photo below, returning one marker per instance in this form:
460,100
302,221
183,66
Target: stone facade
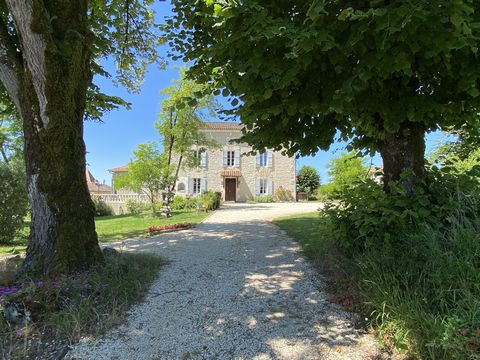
254,174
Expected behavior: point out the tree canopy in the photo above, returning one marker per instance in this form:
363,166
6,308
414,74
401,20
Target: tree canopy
344,172
308,179
376,73
181,117
122,31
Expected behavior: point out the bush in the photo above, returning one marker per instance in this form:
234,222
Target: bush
283,195
135,207
210,199
264,199
13,201
364,215
418,261
183,203
101,207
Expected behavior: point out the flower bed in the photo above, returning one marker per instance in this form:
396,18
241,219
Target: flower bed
153,230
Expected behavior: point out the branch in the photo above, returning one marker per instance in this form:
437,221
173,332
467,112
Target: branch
33,47
10,64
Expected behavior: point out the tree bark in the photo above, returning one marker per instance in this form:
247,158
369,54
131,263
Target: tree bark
403,155
51,94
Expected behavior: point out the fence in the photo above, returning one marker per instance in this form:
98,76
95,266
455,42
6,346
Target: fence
118,201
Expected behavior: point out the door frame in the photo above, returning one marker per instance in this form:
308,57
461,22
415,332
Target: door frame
225,187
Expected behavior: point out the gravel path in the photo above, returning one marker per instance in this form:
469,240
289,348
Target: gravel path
236,288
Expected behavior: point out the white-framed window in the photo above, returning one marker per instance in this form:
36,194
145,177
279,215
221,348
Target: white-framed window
197,185
262,186
200,157
230,158
263,159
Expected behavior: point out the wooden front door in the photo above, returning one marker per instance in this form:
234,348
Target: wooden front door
230,189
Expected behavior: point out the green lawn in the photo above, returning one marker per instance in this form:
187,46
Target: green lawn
115,228
335,266
304,228
18,245
120,227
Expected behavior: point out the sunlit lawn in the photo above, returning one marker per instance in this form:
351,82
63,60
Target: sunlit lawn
115,228
120,227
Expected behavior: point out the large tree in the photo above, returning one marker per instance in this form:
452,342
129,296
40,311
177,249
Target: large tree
308,180
49,52
186,106
380,73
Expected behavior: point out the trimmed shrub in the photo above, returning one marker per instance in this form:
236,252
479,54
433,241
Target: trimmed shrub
101,207
13,201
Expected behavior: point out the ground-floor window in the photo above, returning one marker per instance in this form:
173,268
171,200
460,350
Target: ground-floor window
263,186
197,185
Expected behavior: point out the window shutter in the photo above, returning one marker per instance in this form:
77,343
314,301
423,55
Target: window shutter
237,158
190,185
203,159
203,185
269,187
258,159
224,158
257,187
269,159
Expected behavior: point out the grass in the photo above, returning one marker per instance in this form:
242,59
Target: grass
120,227
335,265
18,245
66,308
115,228
421,291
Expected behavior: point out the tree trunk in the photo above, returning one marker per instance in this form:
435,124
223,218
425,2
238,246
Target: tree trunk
403,155
53,81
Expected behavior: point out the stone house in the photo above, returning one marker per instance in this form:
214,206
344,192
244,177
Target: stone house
229,170
94,186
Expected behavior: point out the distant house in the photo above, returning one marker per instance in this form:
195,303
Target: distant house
94,186
238,177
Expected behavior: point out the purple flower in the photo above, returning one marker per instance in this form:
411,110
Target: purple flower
8,290
19,333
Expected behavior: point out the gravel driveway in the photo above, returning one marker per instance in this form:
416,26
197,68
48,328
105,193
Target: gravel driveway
236,288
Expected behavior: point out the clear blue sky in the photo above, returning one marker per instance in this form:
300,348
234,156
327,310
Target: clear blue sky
111,143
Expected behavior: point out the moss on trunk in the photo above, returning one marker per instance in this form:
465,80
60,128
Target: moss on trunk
63,237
